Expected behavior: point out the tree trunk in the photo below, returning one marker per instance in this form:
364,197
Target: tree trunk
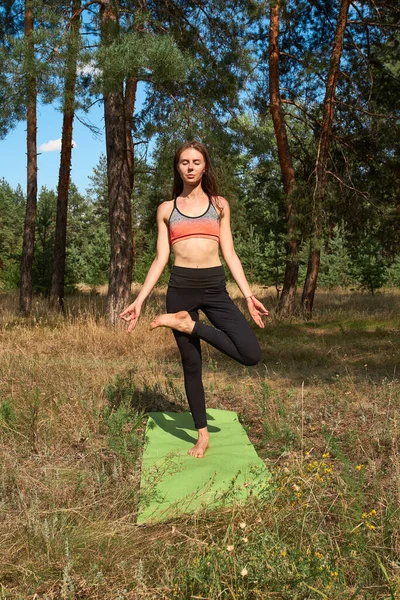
129,107
310,283
58,276
119,180
25,299
286,303
130,100
322,159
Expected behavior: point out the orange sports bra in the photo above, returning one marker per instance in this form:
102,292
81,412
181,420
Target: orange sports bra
184,227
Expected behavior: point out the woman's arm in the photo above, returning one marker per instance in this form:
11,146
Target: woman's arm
132,312
256,309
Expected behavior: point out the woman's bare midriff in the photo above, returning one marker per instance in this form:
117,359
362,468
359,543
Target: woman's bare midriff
196,253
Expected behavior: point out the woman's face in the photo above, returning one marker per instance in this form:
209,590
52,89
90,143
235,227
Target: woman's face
191,166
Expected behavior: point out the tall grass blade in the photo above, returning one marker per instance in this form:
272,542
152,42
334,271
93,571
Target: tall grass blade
383,569
317,591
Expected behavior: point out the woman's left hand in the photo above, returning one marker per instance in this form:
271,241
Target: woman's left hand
256,310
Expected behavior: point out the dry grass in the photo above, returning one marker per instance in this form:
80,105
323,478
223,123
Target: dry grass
321,409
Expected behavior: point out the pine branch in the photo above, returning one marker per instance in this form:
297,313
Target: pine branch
350,187
303,109
192,28
93,128
366,112
85,6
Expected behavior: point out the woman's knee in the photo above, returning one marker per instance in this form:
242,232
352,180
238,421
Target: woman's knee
252,355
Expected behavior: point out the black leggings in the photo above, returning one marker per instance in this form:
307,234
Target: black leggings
231,334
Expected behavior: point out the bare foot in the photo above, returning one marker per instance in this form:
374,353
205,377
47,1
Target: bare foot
181,321
199,449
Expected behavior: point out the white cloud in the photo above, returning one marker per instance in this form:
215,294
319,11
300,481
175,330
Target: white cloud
53,146
89,69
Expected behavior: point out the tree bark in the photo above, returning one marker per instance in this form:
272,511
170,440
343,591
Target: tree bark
58,276
286,303
119,180
130,100
25,299
129,107
322,160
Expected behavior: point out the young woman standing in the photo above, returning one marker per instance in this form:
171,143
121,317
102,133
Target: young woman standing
196,224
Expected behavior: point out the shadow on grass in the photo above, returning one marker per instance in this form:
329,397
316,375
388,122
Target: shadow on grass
365,349
122,391
177,427
298,350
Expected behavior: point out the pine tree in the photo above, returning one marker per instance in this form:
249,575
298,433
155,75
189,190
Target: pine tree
286,304
335,268
321,166
118,173
369,266
72,50
25,299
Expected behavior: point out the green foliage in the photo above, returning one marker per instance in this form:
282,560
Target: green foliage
121,420
393,273
97,258
120,391
88,240
146,257
369,266
335,268
11,230
44,240
123,435
257,565
18,60
263,259
134,54
7,412
97,193
165,60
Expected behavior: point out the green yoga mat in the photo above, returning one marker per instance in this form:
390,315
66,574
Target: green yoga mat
174,483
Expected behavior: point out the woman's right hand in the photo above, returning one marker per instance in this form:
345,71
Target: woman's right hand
257,310
132,314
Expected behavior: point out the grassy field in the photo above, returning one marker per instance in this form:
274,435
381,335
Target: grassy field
322,410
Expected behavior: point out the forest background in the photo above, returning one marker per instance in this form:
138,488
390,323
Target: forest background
299,104
251,80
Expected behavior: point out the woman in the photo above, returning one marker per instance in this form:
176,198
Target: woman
196,224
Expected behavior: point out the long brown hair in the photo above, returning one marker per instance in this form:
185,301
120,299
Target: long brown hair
209,180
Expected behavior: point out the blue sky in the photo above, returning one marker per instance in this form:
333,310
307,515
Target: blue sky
85,155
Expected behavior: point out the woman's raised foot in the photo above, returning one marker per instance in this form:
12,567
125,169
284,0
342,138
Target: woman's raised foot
181,321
